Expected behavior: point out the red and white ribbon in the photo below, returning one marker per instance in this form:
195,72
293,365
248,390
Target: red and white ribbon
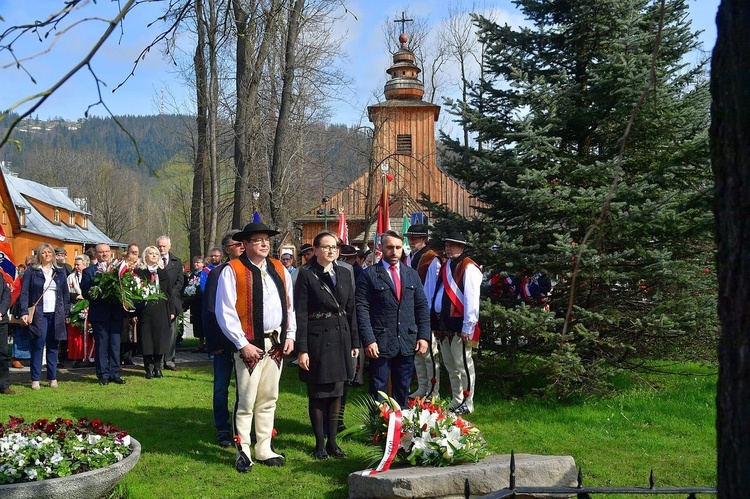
392,443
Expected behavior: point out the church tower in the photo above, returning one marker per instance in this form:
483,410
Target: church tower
404,147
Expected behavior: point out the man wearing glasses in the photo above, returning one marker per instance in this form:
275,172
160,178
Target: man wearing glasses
255,311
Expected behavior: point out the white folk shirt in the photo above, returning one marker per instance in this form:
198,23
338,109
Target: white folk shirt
226,298
472,285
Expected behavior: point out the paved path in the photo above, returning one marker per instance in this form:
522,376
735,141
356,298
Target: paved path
183,356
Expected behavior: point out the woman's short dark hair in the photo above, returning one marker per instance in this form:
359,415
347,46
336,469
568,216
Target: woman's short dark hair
319,237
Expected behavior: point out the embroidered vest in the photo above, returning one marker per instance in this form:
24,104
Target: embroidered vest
249,303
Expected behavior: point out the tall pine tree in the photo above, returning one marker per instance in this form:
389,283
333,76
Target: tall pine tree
549,119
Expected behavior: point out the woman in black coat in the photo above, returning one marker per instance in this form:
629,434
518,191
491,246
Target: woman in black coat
45,287
154,317
327,338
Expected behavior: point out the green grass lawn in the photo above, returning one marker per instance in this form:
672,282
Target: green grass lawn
664,422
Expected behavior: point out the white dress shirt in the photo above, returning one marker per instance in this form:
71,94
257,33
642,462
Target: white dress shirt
226,298
472,285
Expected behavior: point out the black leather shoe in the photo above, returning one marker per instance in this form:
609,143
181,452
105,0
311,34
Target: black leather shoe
103,382
274,461
336,452
224,440
149,374
158,374
321,454
243,464
171,367
118,381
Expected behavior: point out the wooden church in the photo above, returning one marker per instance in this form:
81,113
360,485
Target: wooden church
404,150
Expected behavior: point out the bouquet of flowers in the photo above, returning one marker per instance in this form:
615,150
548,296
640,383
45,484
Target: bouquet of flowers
78,313
193,285
51,449
120,284
425,434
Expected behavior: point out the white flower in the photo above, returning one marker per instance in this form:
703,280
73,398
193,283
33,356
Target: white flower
31,473
93,439
57,458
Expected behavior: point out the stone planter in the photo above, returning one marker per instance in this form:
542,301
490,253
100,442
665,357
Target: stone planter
89,485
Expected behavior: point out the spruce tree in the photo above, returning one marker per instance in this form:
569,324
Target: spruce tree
549,119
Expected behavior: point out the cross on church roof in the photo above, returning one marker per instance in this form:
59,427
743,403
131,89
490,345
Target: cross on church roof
403,21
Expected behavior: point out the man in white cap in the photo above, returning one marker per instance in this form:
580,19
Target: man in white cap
454,316
424,260
255,311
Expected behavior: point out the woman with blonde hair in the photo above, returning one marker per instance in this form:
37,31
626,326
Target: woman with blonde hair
153,317
45,303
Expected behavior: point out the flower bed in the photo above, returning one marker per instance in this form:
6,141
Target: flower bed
425,434
49,449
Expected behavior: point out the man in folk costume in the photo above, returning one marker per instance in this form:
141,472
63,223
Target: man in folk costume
427,365
455,318
255,311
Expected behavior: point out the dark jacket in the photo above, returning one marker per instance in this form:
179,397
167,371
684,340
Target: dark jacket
326,327
215,338
99,310
176,280
32,289
5,293
394,325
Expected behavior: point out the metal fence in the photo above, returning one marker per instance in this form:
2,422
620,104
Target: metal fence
582,492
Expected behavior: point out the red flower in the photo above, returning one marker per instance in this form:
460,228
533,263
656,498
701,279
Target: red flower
385,411
237,440
467,393
273,433
433,381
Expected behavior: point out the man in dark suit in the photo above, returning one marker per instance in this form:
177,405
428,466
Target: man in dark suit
106,320
393,316
173,266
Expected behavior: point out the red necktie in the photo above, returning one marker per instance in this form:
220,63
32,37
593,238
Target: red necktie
396,282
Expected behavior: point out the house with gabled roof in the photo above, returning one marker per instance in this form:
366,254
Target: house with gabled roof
33,213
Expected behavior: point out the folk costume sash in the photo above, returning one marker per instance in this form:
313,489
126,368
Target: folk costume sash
249,304
452,279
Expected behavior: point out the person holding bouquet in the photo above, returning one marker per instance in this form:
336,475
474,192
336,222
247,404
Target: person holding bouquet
45,303
106,318
154,316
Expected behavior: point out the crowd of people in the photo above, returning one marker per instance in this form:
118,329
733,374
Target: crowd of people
51,290
337,312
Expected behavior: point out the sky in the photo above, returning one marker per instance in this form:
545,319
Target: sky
157,84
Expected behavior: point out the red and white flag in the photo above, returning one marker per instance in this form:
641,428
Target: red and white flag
384,210
343,231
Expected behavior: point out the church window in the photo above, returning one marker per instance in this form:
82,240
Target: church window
57,216
403,144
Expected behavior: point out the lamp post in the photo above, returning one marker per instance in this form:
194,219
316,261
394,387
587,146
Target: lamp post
325,212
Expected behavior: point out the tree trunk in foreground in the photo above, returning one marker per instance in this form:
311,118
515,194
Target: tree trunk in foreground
730,155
